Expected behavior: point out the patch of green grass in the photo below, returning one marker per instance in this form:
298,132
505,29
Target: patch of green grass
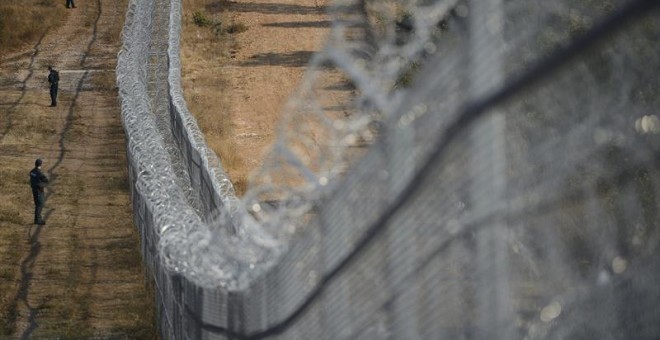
200,19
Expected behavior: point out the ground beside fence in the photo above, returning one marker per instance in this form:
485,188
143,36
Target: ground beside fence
241,63
80,274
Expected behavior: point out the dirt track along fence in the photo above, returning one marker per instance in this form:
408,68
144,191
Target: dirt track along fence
510,189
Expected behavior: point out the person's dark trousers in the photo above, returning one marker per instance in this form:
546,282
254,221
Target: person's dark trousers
53,95
38,206
69,3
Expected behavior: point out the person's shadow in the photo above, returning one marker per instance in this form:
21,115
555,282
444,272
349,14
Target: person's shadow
32,237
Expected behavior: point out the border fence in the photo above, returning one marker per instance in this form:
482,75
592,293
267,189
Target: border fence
511,190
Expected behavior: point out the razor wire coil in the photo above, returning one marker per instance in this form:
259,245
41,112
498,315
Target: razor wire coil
350,248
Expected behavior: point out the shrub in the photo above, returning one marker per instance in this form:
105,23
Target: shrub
236,28
201,20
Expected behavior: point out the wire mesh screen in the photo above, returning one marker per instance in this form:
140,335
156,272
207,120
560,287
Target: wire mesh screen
493,175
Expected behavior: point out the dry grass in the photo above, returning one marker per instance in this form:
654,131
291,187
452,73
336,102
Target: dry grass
30,126
236,27
13,177
11,248
13,216
78,128
75,262
24,21
139,321
256,59
204,50
12,213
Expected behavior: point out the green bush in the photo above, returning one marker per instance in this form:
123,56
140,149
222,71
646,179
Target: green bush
201,20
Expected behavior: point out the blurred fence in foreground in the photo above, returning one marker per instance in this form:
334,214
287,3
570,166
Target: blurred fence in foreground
511,190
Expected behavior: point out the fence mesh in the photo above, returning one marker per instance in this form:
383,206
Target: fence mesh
494,175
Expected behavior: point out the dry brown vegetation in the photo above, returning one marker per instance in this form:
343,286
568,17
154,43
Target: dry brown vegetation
241,61
80,275
25,21
205,49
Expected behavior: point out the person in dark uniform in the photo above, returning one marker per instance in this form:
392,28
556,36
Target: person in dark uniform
69,3
53,79
38,182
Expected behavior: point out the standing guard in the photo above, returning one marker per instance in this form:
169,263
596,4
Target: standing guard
38,182
53,80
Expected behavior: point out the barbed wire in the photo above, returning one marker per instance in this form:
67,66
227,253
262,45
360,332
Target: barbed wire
433,152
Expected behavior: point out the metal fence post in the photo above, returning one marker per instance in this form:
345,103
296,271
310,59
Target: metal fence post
488,180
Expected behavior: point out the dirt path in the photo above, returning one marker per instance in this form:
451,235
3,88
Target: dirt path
80,274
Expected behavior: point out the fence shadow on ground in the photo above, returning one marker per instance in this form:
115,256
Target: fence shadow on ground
300,24
265,8
293,59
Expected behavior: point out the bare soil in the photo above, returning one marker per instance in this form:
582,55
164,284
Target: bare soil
81,274
237,84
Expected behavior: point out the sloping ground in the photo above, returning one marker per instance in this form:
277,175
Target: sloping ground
80,275
241,68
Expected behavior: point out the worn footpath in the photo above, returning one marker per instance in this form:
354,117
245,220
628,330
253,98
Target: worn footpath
80,275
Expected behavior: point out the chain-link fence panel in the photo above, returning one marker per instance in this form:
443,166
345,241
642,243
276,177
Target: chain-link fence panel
494,176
